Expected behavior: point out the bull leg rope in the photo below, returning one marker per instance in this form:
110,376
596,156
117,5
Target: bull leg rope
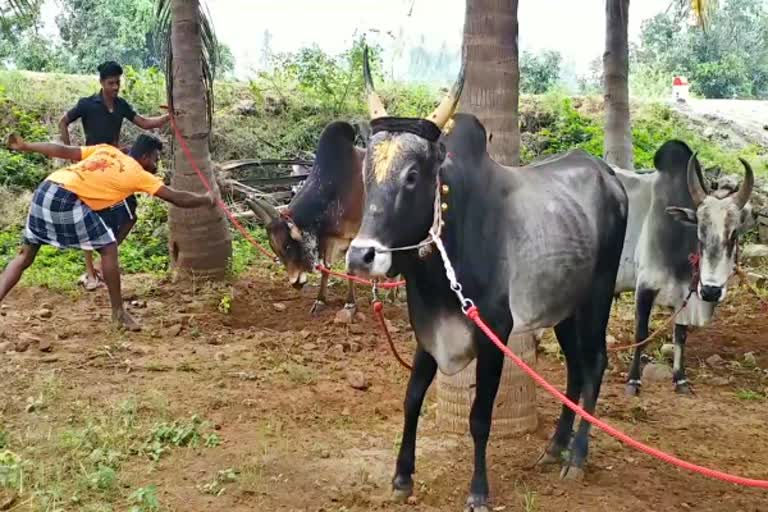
470,310
693,259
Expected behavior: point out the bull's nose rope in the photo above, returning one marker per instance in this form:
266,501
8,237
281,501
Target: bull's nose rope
473,313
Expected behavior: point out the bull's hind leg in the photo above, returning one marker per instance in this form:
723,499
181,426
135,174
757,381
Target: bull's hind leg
644,298
568,338
592,323
678,367
422,374
489,365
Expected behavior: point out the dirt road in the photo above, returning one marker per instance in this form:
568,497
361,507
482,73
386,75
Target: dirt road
745,121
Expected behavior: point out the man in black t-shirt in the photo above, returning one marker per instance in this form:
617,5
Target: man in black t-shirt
102,117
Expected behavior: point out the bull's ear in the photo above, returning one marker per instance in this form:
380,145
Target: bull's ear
684,215
748,218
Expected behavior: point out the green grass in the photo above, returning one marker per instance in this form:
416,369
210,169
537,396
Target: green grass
749,395
78,461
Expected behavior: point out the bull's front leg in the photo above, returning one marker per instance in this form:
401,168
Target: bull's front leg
644,299
678,367
422,374
351,301
321,299
489,365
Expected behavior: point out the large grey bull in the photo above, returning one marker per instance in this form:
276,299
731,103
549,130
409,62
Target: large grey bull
535,247
672,216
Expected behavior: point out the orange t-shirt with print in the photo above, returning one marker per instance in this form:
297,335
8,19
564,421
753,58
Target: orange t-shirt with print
105,176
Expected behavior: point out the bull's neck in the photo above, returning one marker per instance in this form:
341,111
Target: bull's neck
426,276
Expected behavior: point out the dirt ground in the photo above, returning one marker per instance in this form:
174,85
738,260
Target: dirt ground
82,405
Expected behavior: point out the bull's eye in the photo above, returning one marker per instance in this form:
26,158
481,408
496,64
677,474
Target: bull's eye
411,178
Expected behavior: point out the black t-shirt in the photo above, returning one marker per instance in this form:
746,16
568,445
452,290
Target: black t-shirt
100,125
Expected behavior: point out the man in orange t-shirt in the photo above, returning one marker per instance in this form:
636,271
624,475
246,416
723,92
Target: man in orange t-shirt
64,207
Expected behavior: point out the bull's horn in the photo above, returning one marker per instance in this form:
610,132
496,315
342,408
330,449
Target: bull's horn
375,106
698,194
447,107
745,190
263,210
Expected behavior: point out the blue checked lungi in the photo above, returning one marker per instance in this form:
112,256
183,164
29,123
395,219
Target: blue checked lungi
59,218
121,213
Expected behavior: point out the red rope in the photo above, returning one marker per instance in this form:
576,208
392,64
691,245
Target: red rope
378,308
387,285
243,231
207,185
474,314
693,260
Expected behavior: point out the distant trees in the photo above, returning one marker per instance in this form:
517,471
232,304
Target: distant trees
91,32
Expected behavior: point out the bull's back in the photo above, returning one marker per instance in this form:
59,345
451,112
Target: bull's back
564,211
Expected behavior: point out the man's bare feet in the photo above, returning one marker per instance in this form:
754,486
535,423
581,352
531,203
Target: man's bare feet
123,320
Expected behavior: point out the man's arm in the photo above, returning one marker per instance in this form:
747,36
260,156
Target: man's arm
64,129
149,123
145,123
49,149
68,118
185,199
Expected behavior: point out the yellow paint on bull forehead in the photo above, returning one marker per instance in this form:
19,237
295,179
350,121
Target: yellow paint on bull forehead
384,154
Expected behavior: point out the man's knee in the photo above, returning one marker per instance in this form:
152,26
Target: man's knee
108,251
27,253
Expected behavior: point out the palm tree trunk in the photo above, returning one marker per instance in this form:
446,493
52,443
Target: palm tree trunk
491,89
491,92
618,134
200,241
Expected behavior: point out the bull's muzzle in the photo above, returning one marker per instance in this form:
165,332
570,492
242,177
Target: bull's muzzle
710,293
360,259
368,258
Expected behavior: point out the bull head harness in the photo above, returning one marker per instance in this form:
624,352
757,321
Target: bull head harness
428,130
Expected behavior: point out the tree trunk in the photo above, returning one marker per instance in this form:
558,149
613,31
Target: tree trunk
618,134
200,241
492,82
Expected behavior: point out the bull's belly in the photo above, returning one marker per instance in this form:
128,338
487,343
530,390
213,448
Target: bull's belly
525,323
449,341
538,300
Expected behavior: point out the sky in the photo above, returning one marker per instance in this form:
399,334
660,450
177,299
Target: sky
576,28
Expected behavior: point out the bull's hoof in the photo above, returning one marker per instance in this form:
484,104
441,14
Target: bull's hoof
547,459
402,489
477,503
317,307
571,472
400,496
632,389
683,388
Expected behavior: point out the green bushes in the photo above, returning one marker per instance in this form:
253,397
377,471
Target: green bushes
281,115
